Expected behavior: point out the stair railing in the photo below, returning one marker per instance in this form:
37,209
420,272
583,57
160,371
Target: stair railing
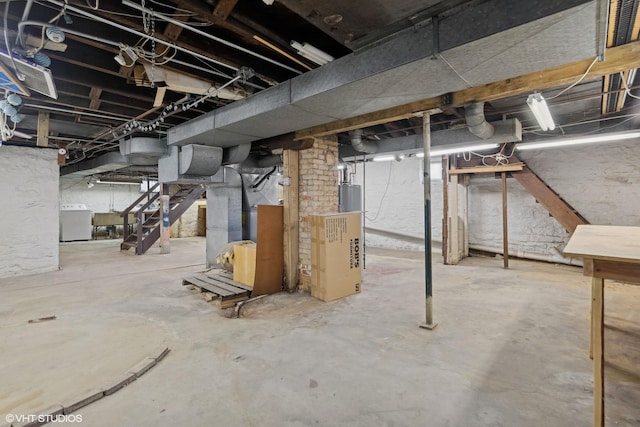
125,213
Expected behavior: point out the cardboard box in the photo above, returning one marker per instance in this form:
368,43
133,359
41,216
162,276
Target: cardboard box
244,263
336,258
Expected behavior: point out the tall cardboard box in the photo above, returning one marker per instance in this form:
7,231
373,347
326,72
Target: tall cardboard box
336,259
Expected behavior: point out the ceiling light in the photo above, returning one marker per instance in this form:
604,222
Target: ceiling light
540,110
384,158
612,137
268,2
312,53
119,181
459,149
454,150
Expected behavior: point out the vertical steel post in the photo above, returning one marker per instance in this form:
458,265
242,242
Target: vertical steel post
364,212
505,227
428,274
165,225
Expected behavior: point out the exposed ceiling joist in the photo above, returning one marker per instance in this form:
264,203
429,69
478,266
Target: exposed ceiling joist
617,59
224,8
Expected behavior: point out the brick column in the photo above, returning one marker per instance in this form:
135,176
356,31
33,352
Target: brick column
318,194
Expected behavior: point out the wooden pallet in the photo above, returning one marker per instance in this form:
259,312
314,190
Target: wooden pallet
219,286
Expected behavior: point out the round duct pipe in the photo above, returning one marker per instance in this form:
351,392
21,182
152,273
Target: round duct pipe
360,145
477,123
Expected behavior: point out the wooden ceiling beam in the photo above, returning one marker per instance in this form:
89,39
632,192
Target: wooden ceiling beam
94,96
235,23
131,23
617,59
224,8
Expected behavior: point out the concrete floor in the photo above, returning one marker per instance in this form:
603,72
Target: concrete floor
510,349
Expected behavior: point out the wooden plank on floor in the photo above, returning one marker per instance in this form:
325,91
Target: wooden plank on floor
228,281
210,287
224,273
236,290
230,302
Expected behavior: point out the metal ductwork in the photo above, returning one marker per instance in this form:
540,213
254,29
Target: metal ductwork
477,123
143,150
410,66
358,144
261,162
236,154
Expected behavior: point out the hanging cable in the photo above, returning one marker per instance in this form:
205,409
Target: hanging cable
5,31
626,88
576,82
264,178
384,194
96,7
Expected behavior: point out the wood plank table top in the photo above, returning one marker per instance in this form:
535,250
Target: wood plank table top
608,252
605,242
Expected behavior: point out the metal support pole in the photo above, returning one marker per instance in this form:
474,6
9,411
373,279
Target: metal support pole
505,228
364,212
165,225
428,274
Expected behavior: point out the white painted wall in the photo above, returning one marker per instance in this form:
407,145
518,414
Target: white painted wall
602,182
28,211
399,206
100,197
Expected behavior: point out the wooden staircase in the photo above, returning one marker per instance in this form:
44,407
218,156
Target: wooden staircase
567,216
146,231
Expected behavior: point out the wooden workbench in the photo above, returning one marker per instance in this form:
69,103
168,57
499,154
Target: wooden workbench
608,252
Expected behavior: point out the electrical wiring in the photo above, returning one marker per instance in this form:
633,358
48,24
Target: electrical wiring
384,194
576,82
5,31
499,158
614,126
96,7
6,131
626,88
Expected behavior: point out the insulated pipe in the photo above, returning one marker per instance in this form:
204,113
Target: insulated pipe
478,125
360,145
557,259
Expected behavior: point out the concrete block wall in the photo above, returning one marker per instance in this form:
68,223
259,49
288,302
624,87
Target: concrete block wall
318,194
602,182
29,213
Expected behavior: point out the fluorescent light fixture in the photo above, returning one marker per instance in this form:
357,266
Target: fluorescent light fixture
119,181
612,137
540,110
312,53
458,149
454,150
384,158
